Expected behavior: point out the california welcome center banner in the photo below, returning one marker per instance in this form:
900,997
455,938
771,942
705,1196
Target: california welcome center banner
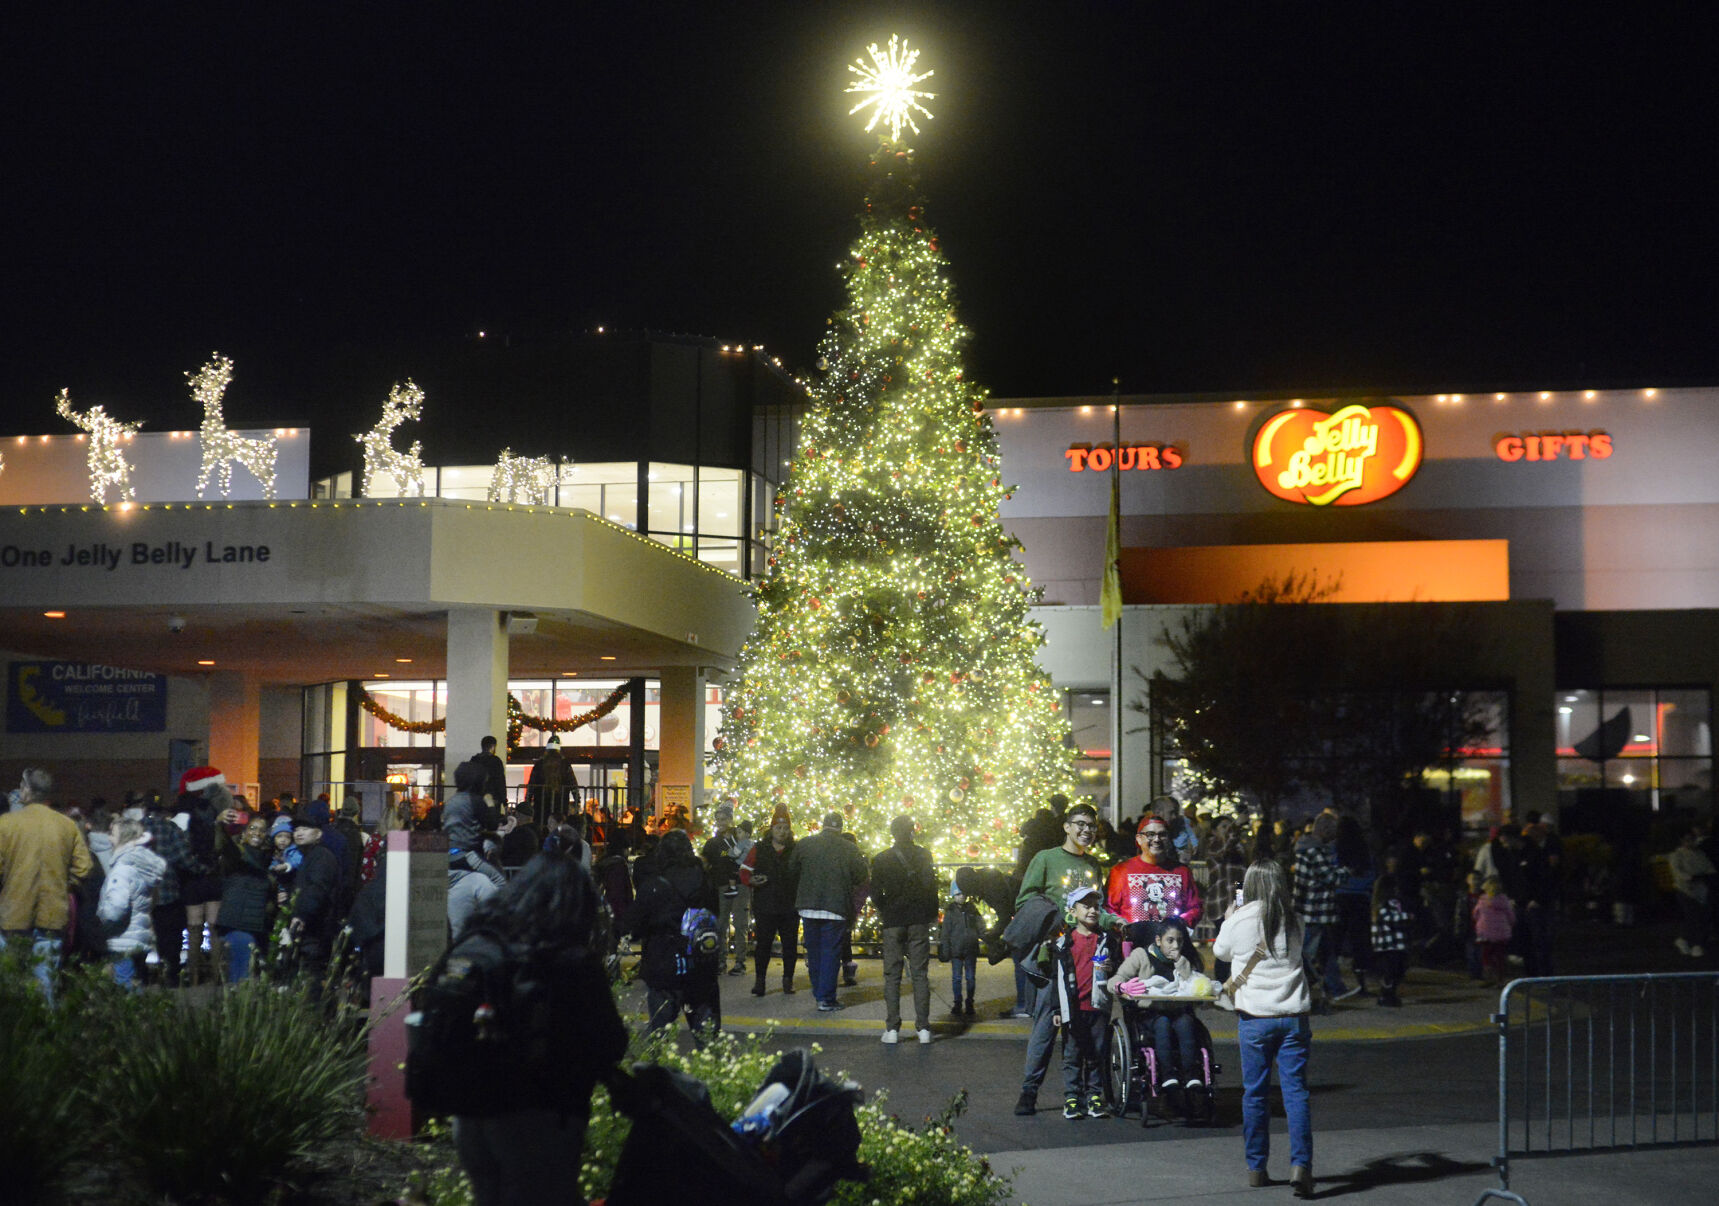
76,697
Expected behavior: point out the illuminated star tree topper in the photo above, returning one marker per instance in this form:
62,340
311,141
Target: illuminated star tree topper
887,83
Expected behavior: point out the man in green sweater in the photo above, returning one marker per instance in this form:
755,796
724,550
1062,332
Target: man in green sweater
1053,873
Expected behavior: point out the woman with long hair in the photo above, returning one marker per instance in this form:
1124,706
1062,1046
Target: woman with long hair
1261,940
548,916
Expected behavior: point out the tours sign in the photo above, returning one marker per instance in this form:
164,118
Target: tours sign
1344,458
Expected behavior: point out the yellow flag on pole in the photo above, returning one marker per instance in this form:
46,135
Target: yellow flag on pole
1110,592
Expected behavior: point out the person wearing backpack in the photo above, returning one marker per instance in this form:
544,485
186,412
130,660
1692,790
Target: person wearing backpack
904,885
682,953
512,1030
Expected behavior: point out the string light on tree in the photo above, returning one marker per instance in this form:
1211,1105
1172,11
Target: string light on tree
523,479
406,469
221,447
108,466
887,83
892,667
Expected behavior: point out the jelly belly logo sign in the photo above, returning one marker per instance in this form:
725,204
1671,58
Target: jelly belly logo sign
1354,456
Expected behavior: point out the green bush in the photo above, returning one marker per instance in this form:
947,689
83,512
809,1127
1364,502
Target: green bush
39,1104
926,1164
217,1101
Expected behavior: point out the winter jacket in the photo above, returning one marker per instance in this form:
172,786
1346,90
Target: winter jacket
904,886
1277,986
775,896
830,869
721,856
960,938
169,842
1145,962
1061,953
41,853
655,919
317,903
1494,919
462,819
128,895
247,892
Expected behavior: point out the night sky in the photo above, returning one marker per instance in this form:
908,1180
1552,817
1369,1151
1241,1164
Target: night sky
1193,197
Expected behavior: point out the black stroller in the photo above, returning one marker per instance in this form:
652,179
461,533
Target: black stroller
801,1137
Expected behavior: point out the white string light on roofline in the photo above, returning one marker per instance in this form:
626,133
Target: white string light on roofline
222,447
404,402
107,462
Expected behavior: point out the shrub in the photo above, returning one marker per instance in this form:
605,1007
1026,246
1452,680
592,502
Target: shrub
909,1165
218,1100
37,1112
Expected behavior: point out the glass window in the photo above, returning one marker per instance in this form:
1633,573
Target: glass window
469,482
674,503
412,702
536,698
1088,713
720,499
1638,748
606,488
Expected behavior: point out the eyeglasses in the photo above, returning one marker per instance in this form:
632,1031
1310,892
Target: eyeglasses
1084,824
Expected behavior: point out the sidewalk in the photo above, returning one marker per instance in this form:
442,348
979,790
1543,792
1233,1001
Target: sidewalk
1436,1003
1410,1166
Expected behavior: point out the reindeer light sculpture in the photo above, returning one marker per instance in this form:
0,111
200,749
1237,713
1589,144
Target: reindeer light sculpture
220,446
380,459
107,463
522,479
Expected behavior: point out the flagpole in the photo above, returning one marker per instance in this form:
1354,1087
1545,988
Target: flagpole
1116,708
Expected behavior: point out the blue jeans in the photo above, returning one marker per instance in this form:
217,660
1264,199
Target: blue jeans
823,955
241,948
45,946
1319,956
962,969
128,970
1286,1041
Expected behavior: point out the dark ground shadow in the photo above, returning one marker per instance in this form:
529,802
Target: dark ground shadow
1399,1168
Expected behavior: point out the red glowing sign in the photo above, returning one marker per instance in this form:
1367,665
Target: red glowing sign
1356,455
1553,445
1132,456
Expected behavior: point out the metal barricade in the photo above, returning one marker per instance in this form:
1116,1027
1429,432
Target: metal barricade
1605,1063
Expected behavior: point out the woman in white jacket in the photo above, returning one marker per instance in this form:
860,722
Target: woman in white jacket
1261,940
127,896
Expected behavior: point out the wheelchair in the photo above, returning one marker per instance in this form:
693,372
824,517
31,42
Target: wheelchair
1132,1078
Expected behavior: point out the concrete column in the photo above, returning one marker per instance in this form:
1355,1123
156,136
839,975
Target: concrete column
235,719
477,683
680,743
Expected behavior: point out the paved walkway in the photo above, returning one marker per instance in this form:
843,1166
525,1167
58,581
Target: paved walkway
1435,1003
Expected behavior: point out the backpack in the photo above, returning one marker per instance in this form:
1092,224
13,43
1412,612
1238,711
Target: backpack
703,941
495,1031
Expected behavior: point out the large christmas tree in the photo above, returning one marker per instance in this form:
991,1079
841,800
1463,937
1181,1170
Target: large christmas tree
892,667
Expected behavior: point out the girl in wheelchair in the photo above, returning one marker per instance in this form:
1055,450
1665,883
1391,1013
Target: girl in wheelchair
1165,952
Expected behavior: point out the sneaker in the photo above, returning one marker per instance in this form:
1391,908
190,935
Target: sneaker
1682,945
1348,993
758,990
925,1038
1095,1107
1071,1109
891,1037
850,974
830,1006
970,1012
1028,1104
739,969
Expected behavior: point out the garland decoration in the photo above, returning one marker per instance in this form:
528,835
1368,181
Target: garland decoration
517,717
